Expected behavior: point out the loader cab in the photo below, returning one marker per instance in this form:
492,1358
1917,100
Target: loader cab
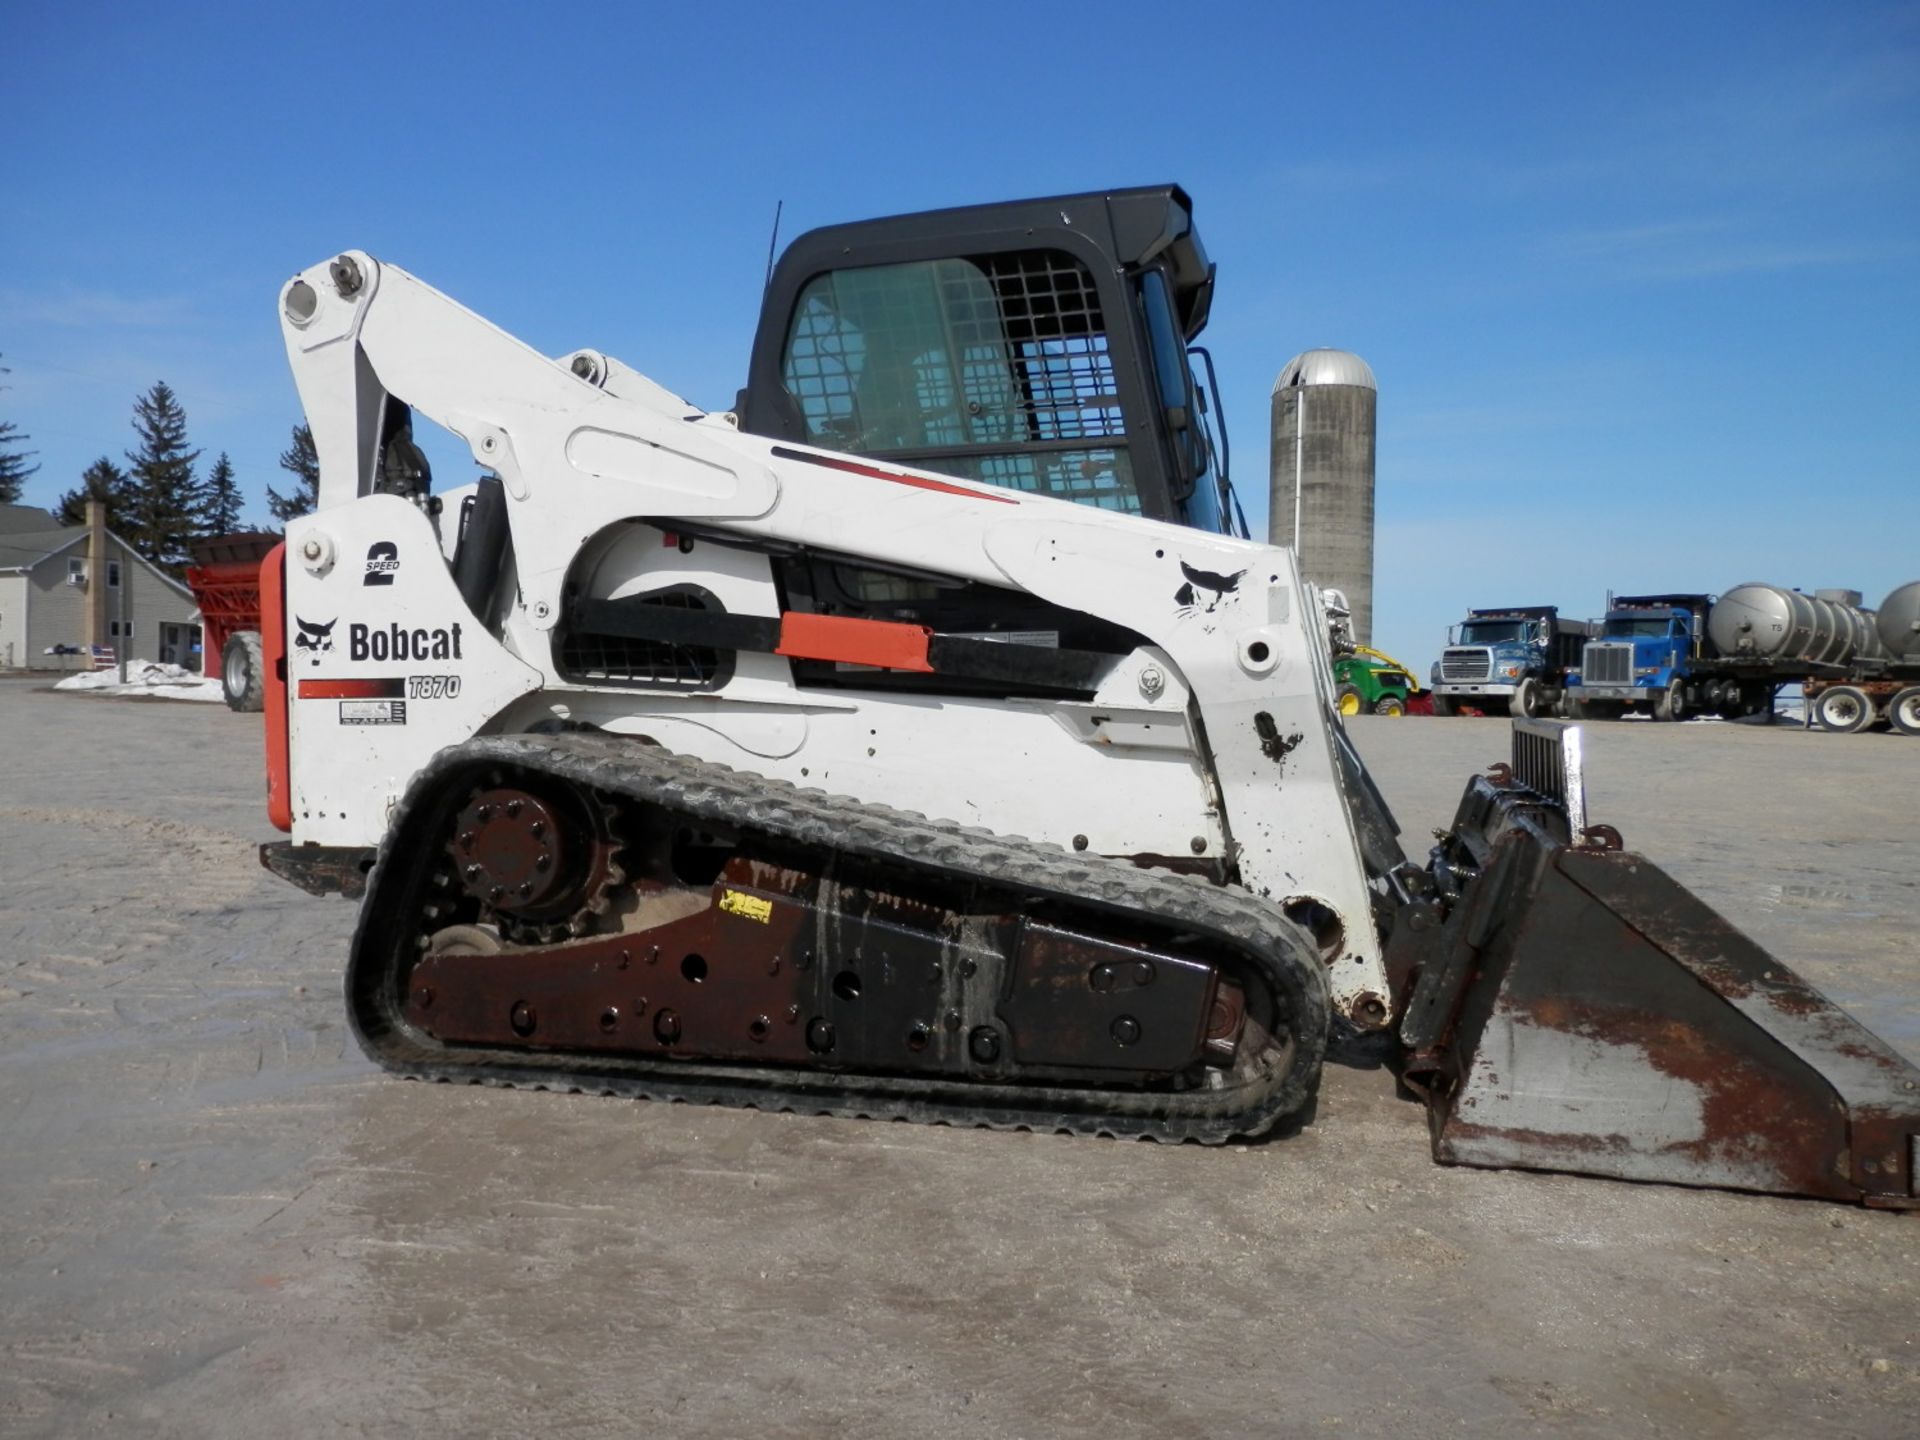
1041,345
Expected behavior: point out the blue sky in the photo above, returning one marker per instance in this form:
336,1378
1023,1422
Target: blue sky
1639,281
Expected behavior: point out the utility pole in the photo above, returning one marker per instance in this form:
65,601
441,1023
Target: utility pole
126,626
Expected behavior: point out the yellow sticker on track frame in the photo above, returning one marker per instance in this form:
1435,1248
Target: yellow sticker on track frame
747,907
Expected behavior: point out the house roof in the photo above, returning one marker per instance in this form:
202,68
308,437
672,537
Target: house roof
22,550
24,519
25,549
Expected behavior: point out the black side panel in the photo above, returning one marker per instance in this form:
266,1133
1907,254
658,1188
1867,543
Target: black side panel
483,542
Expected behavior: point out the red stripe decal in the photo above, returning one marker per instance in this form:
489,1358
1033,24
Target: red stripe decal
392,688
885,643
919,482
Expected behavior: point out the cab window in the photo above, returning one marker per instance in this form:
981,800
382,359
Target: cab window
1194,484
991,367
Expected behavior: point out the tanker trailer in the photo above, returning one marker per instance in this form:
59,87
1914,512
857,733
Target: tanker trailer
1899,622
1897,684
1769,636
1791,627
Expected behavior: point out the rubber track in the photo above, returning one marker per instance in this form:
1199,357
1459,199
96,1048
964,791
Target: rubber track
384,941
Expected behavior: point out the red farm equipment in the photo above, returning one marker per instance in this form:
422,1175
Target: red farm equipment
224,575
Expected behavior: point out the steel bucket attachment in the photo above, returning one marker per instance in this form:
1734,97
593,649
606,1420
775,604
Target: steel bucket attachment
1571,1007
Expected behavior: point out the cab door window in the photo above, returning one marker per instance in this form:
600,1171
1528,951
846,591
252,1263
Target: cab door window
992,367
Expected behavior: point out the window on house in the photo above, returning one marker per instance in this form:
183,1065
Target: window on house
113,573
76,569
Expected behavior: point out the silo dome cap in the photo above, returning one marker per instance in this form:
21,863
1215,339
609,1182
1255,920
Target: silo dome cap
1325,367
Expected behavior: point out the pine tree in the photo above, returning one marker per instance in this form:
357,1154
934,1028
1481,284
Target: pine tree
220,500
302,461
162,516
14,469
102,480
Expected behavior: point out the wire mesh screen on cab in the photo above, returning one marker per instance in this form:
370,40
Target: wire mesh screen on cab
994,367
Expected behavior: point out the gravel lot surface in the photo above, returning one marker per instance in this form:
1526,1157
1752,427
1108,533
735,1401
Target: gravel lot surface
217,1219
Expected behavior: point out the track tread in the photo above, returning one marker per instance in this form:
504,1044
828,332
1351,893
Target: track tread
836,823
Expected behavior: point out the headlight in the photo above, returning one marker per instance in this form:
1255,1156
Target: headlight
1646,670
1509,671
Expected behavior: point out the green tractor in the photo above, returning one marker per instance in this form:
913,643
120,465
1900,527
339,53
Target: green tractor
1374,684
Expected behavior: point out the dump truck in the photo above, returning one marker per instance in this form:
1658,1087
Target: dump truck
1512,659
675,761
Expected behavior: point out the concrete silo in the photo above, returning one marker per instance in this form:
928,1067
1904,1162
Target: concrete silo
1321,498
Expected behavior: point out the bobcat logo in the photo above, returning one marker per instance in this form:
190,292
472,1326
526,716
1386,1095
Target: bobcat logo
316,640
1186,600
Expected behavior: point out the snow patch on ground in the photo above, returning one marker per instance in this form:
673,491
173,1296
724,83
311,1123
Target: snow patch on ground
147,678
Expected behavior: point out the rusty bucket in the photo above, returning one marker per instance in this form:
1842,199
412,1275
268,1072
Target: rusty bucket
1577,1009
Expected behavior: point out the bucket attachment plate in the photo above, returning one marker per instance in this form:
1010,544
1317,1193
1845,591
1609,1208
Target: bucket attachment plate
1580,1010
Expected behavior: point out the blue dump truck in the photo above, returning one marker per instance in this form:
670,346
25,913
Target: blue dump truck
1656,653
1640,659
1514,660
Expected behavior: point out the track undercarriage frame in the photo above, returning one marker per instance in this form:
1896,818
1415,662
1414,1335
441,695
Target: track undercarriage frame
790,949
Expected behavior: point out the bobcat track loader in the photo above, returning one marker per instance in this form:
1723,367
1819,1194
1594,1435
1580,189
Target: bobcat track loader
674,761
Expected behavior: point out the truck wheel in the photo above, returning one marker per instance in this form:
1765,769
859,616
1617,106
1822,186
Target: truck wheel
243,672
1672,704
1395,705
1349,701
1525,703
1904,711
1843,709
1443,705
